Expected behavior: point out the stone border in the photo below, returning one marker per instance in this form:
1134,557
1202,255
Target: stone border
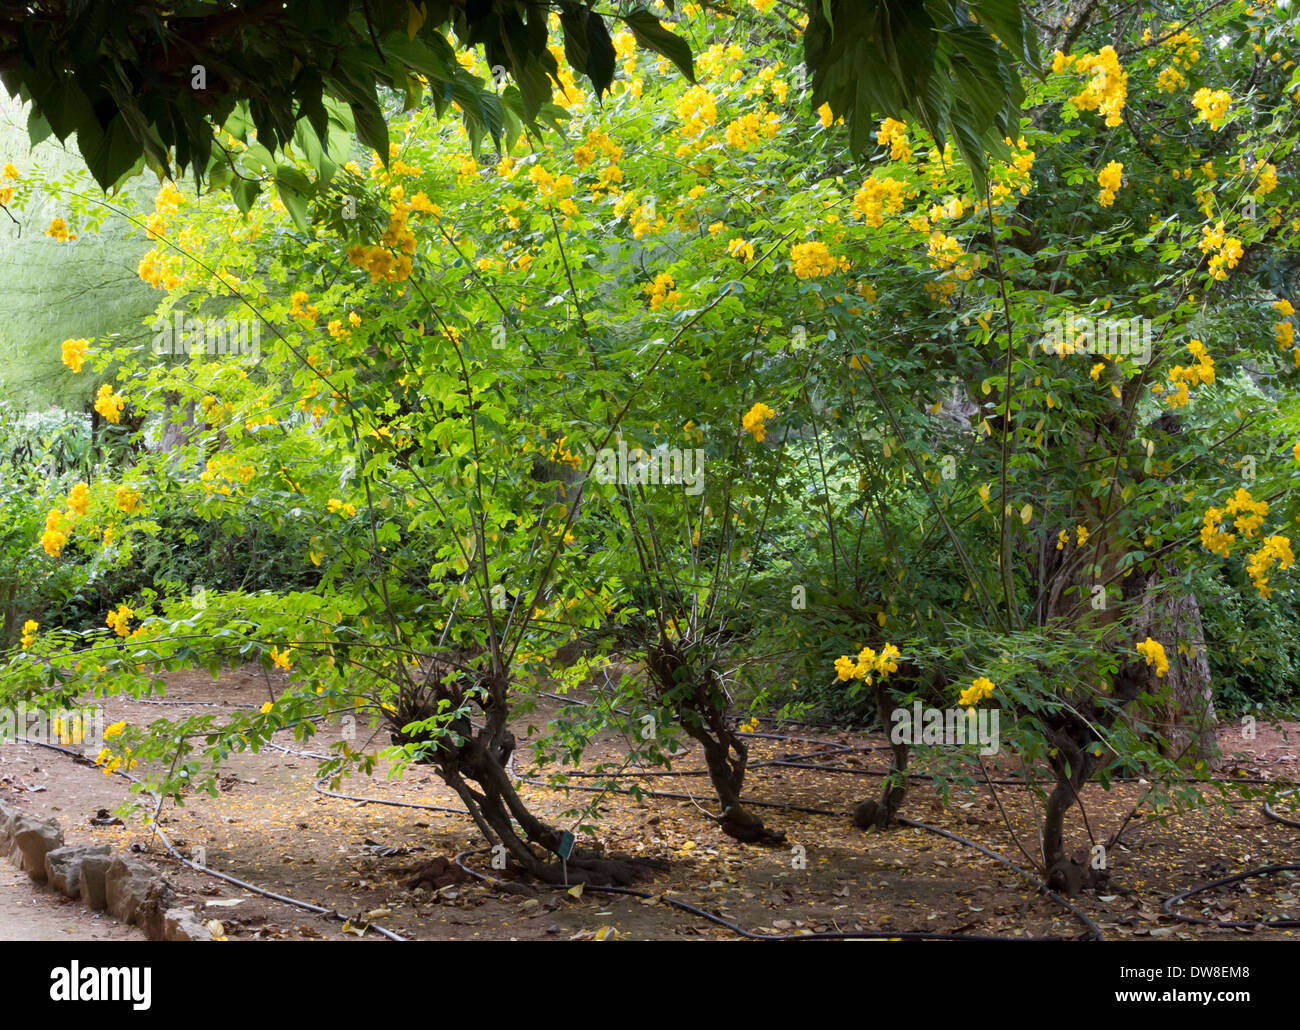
130,890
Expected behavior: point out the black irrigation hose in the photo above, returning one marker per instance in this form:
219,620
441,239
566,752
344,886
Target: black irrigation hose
1094,933
1268,811
1231,923
307,905
713,917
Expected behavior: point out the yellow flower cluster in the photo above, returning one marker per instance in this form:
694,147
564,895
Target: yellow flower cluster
168,200
1276,550
1267,180
299,308
59,230
380,260
1285,330
127,500
1212,105
812,259
220,475
741,248
112,763
1154,652
550,187
893,134
868,664
29,633
1183,376
1109,179
110,404
1248,517
697,110
335,506
947,255
74,353
120,621
158,272
1224,250
78,501
55,537
282,659
980,689
754,419
1107,90
1170,79
876,198
750,129
662,292
1081,537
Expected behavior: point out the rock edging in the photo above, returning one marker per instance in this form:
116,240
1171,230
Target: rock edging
127,888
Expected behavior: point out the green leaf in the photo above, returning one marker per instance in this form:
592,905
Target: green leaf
109,152
651,34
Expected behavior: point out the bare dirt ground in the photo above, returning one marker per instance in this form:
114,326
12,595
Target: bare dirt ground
270,827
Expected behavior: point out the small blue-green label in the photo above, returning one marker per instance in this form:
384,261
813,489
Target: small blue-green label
565,848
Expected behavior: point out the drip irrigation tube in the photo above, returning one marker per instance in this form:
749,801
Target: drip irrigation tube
234,881
1093,932
1277,924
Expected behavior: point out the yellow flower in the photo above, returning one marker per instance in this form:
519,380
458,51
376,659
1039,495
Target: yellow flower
1153,651
281,659
894,134
812,259
1107,90
1276,550
74,353
266,707
980,689
127,500
114,730
119,621
1110,179
1081,532
740,248
299,308
109,404
55,537
29,633
1212,105
662,292
59,230
79,499
754,419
